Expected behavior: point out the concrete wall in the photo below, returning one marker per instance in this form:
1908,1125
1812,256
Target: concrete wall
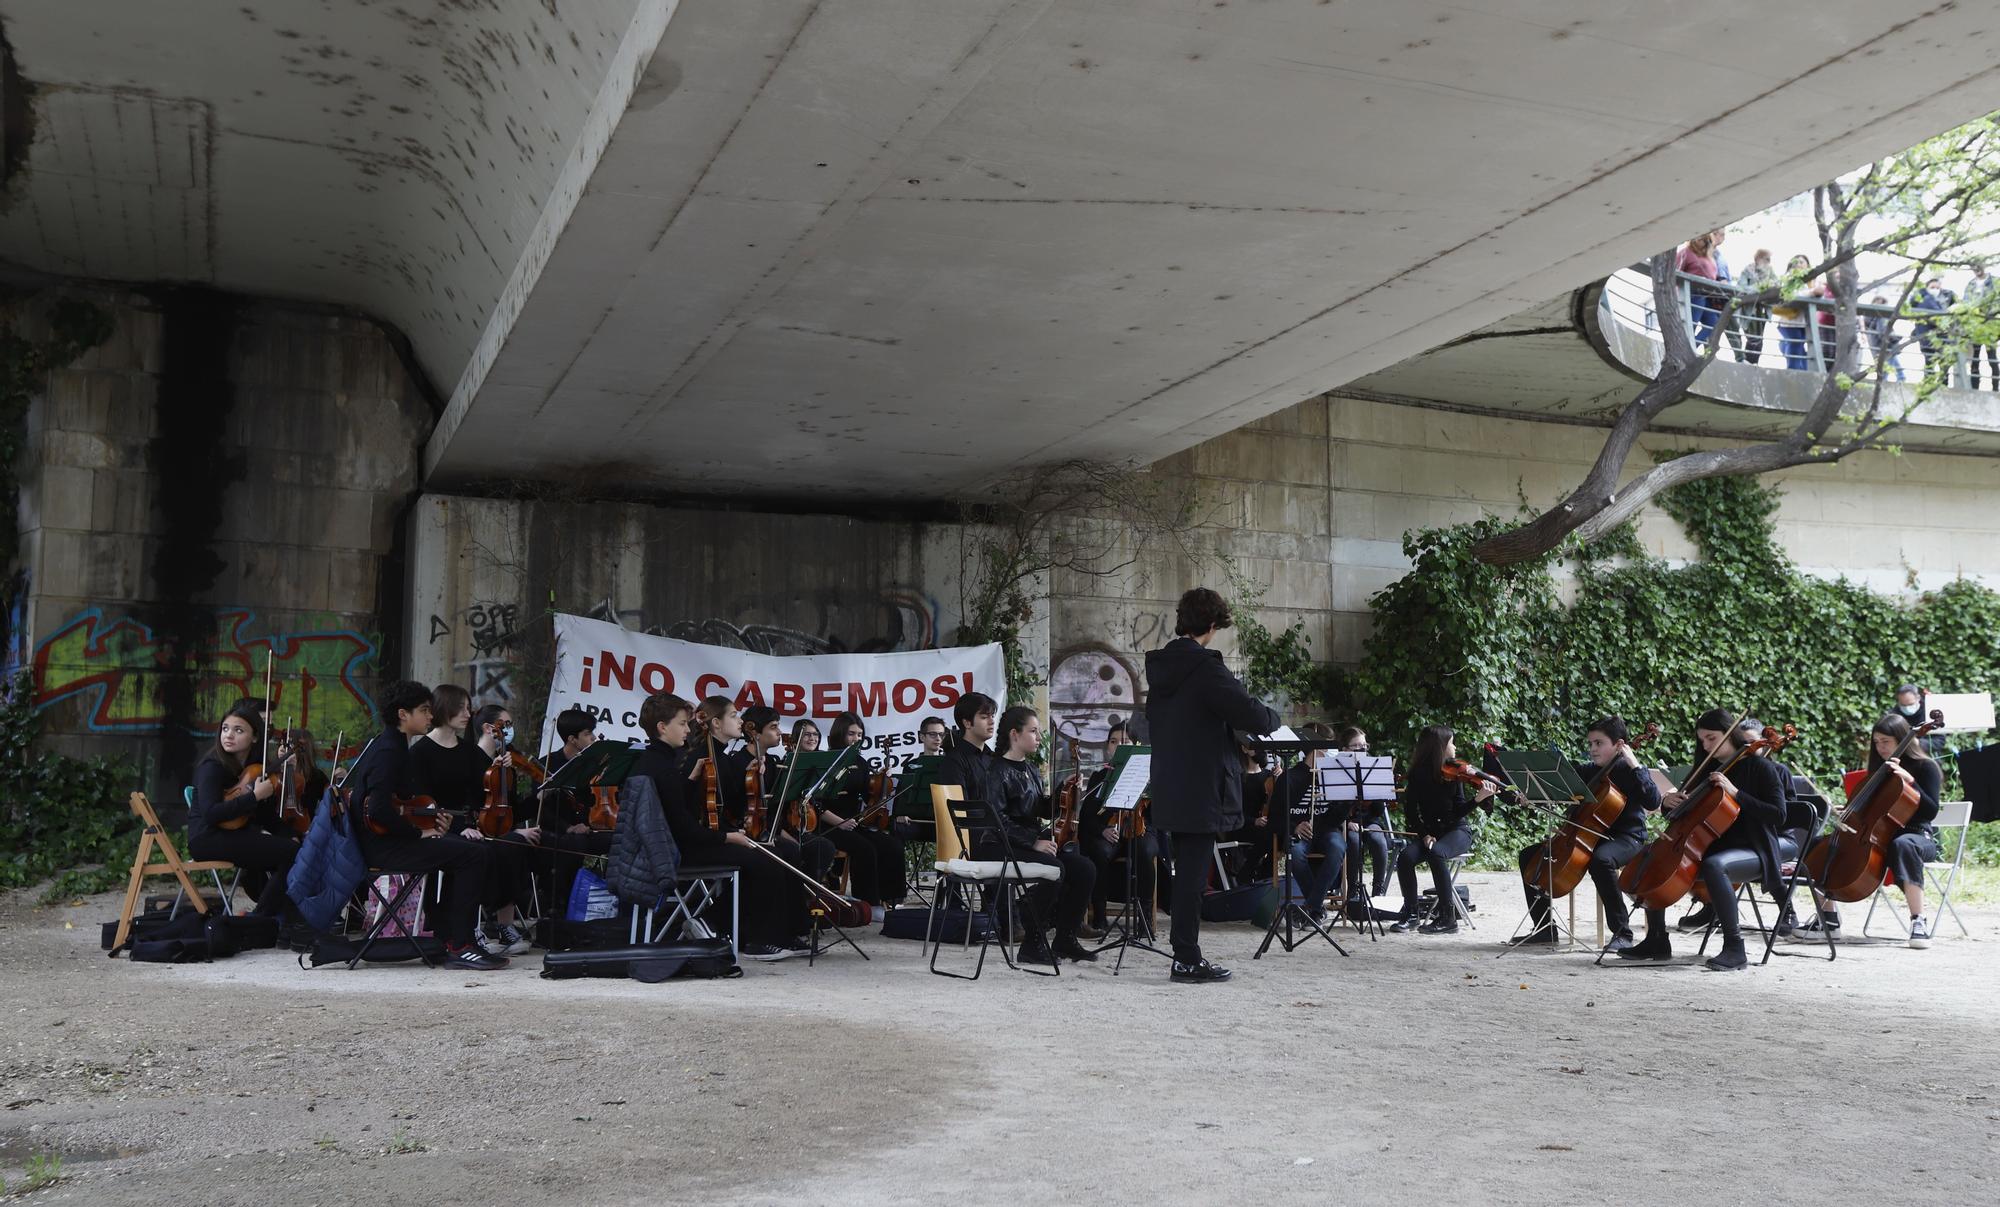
1311,505
492,571
322,423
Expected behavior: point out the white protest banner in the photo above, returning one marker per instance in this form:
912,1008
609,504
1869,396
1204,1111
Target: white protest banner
610,670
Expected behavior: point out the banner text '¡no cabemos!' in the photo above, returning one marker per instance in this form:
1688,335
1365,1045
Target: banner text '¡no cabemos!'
872,699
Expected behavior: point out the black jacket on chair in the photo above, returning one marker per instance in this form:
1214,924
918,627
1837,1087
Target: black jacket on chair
1194,707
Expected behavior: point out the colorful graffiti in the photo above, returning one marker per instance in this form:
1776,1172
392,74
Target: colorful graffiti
1091,686
113,668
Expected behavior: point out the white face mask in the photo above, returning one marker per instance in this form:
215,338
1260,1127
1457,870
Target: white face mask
507,735
1909,710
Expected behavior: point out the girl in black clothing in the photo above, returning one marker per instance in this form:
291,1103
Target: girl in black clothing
1439,814
771,904
451,769
1018,797
1750,849
874,857
1918,841
1097,838
758,728
266,858
805,736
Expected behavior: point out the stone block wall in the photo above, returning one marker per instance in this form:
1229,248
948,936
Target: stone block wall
318,421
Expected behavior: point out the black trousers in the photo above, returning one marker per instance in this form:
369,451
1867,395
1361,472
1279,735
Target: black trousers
1610,855
463,862
1059,903
1439,855
1192,855
1721,872
814,856
1105,855
772,907
266,860
874,863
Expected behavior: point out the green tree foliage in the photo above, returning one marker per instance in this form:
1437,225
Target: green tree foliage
1496,653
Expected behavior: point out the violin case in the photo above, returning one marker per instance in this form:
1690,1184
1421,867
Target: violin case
698,959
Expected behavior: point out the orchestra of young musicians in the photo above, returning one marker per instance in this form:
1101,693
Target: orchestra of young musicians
441,789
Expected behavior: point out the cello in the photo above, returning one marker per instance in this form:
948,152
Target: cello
1849,864
1589,820
1666,870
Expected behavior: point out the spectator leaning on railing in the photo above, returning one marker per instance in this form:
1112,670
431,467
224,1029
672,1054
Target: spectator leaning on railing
1734,330
1791,316
1697,260
1759,276
1932,299
1878,328
1979,300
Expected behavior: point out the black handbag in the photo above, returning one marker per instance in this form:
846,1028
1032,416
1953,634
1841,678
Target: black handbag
697,959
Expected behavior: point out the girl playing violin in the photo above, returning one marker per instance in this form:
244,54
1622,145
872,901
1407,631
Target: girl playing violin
874,857
265,857
1099,839
805,736
759,727
1916,844
1440,816
451,770
1750,849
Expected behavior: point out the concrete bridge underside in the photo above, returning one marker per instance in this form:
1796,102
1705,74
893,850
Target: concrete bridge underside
894,250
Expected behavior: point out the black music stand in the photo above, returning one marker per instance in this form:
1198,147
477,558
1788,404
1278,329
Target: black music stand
1288,909
1546,782
1356,779
1123,785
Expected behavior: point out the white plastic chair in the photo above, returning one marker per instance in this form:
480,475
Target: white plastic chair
1940,875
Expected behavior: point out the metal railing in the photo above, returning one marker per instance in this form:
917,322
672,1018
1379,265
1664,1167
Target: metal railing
1797,333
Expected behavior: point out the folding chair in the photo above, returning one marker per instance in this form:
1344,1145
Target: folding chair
214,868
392,910
998,882
1952,815
693,895
153,841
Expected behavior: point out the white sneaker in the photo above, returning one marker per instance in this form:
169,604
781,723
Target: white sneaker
1920,934
507,940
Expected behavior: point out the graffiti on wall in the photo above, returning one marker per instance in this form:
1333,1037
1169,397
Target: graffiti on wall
906,619
1090,687
112,670
490,630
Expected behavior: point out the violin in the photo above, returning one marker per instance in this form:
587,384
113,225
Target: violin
711,788
496,812
1589,820
1458,771
753,797
1067,798
603,805
1850,864
1132,823
419,811
1666,870
298,747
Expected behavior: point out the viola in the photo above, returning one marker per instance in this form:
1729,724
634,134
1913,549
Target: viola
292,812
753,797
1067,798
419,811
496,810
603,805
1667,869
1850,864
1589,820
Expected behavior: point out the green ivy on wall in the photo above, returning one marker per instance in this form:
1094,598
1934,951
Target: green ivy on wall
1500,656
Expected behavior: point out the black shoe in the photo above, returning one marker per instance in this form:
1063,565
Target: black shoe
471,959
796,946
764,953
1201,972
1730,958
1696,920
1656,947
1068,948
1444,926
1619,943
1545,937
1035,952
298,936
1408,922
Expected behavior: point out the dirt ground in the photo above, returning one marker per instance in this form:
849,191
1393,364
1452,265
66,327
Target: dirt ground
1423,1068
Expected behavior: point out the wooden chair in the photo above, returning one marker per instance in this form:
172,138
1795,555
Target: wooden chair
153,841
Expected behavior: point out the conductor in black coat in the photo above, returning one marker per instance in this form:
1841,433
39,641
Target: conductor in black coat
1194,708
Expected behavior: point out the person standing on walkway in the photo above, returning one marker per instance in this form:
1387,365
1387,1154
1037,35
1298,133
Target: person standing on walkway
1194,710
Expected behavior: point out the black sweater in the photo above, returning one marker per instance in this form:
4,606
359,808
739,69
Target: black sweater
1642,795
1435,806
1018,797
680,800
212,780
381,774
970,768
451,777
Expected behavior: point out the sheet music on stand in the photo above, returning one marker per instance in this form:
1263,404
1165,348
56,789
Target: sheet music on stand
1345,776
1131,772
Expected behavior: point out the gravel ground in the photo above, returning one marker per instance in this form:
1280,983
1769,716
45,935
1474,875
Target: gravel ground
1420,1069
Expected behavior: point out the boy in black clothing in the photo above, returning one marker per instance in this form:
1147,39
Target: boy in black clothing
378,777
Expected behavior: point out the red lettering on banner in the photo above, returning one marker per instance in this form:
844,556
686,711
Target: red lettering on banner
945,691
868,699
654,678
826,699
613,673
788,698
750,695
909,695
709,685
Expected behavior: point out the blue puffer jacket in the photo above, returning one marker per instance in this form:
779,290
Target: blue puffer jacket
329,868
